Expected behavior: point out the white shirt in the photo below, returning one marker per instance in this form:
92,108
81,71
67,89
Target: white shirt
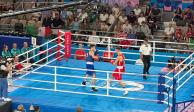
94,39
3,67
122,19
83,16
127,28
115,10
104,27
145,50
169,30
137,11
141,19
103,17
111,19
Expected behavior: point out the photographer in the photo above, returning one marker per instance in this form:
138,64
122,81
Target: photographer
5,69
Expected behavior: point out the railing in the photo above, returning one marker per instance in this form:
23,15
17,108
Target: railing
180,75
107,73
154,44
138,86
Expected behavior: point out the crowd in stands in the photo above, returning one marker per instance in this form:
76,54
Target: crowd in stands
99,19
14,53
32,108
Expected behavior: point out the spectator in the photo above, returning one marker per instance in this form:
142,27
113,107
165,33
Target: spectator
178,14
152,23
178,35
169,32
148,11
97,25
18,66
5,68
145,29
155,11
25,49
141,19
18,27
115,9
75,24
47,13
189,34
135,27
80,54
104,16
57,21
118,27
82,15
5,53
108,55
85,25
20,108
104,26
132,18
123,42
188,16
111,19
94,39
128,8
15,51
127,27
31,28
137,10
79,109
122,18
37,109
47,22
107,8
64,14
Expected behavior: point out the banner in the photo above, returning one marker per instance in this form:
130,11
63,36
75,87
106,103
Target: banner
67,45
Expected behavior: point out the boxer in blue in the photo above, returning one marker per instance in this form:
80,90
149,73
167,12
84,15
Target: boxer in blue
90,58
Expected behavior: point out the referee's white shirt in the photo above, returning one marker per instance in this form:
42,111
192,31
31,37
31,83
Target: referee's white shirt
145,49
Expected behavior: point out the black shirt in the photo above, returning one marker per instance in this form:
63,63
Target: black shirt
132,18
57,22
3,73
47,22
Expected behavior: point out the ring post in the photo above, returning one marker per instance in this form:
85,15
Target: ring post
161,88
174,95
55,84
107,82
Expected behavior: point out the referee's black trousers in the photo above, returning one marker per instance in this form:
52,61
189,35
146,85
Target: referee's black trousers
146,63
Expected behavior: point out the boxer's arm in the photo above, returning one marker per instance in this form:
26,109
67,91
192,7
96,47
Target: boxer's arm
116,61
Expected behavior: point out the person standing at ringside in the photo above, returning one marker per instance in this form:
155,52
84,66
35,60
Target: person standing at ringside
90,58
117,74
145,56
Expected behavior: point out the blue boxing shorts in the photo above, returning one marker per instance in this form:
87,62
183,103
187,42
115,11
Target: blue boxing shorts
90,69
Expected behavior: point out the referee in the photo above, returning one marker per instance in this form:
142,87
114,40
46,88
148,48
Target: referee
145,55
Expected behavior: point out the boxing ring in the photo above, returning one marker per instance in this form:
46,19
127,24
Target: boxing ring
56,84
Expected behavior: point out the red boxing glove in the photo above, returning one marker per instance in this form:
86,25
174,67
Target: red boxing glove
112,61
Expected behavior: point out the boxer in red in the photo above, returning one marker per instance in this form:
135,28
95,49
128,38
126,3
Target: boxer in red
117,74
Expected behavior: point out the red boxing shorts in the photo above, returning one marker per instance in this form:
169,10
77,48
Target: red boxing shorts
117,74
